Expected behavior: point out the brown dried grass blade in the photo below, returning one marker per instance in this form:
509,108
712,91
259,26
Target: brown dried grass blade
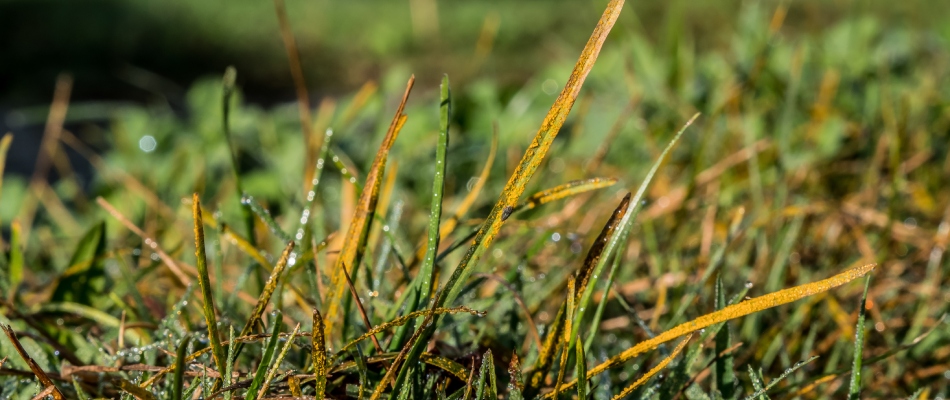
40,374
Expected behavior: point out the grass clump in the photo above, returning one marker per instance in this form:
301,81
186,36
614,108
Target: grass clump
790,173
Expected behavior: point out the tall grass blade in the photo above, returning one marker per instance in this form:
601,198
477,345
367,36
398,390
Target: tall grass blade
178,382
206,290
228,82
516,184
358,231
618,228
653,371
563,191
731,312
565,346
546,355
854,389
268,356
426,273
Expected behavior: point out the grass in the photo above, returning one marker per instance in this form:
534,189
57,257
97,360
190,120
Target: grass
769,178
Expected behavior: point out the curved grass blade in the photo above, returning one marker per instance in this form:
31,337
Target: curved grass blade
596,252
178,382
731,312
40,374
205,282
425,277
131,388
266,359
319,354
276,364
622,226
854,389
316,174
653,371
358,231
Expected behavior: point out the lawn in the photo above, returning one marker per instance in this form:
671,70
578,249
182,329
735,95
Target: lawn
757,209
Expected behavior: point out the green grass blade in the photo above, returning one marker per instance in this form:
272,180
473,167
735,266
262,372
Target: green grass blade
545,355
622,226
206,290
725,369
757,384
598,315
486,388
362,371
262,368
854,389
785,374
276,364
4,149
581,370
264,214
230,76
314,185
426,272
178,381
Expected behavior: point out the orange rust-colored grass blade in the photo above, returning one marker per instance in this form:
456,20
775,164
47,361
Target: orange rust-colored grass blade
40,374
355,239
653,371
731,312
535,153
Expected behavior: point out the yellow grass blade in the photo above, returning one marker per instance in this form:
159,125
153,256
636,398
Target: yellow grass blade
653,371
731,312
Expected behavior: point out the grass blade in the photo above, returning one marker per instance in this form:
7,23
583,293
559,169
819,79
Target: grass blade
762,391
562,191
653,371
486,388
276,364
426,273
725,370
40,374
854,389
268,291
228,82
266,359
358,231
515,186
205,282
264,214
581,370
566,344
516,385
319,355
545,355
731,312
178,381
619,228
